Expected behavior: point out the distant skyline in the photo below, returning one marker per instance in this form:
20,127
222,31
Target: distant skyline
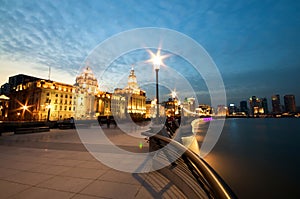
255,44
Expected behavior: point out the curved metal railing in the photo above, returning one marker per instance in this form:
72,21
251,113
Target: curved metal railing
195,173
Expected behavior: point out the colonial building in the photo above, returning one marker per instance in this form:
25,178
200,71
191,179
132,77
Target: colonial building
103,103
131,99
42,100
86,89
39,99
172,107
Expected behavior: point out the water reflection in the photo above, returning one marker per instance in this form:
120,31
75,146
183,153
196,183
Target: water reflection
259,158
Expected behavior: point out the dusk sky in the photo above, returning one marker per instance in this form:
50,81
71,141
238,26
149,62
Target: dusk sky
254,44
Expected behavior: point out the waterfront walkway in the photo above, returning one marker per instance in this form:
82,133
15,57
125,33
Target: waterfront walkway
55,164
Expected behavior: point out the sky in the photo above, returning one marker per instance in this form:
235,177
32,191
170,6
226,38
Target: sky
255,44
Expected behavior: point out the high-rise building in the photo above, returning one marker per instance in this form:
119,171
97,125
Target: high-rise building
290,103
232,109
244,107
276,106
264,104
256,106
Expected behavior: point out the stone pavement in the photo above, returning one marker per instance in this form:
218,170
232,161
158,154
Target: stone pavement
56,165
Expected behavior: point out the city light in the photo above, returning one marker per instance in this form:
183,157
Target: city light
157,59
174,94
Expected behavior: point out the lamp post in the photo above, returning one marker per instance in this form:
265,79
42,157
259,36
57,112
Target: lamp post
157,92
156,65
156,60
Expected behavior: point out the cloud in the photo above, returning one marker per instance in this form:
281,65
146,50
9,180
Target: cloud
243,38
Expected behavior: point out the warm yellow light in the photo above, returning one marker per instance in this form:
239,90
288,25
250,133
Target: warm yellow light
25,107
157,59
174,94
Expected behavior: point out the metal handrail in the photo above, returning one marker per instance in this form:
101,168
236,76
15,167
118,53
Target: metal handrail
216,187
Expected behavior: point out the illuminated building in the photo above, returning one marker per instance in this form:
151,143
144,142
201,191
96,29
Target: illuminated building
148,108
204,110
232,109
130,99
16,80
189,106
221,110
276,107
290,103
172,107
86,88
103,104
42,100
4,104
255,106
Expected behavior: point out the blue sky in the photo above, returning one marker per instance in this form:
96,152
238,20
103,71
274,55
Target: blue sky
255,44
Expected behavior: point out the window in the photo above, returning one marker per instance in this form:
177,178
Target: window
48,94
70,108
66,101
56,95
66,96
60,108
65,108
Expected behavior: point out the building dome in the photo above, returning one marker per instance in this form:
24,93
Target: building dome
87,80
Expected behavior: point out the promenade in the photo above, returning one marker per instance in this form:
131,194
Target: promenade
56,164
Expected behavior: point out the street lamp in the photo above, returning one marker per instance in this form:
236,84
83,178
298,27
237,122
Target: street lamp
24,107
156,60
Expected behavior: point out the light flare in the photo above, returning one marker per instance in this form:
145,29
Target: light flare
157,59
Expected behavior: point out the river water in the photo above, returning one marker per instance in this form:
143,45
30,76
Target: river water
259,158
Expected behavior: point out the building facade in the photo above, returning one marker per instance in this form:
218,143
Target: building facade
276,106
256,107
42,100
129,100
4,105
86,91
290,103
244,107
